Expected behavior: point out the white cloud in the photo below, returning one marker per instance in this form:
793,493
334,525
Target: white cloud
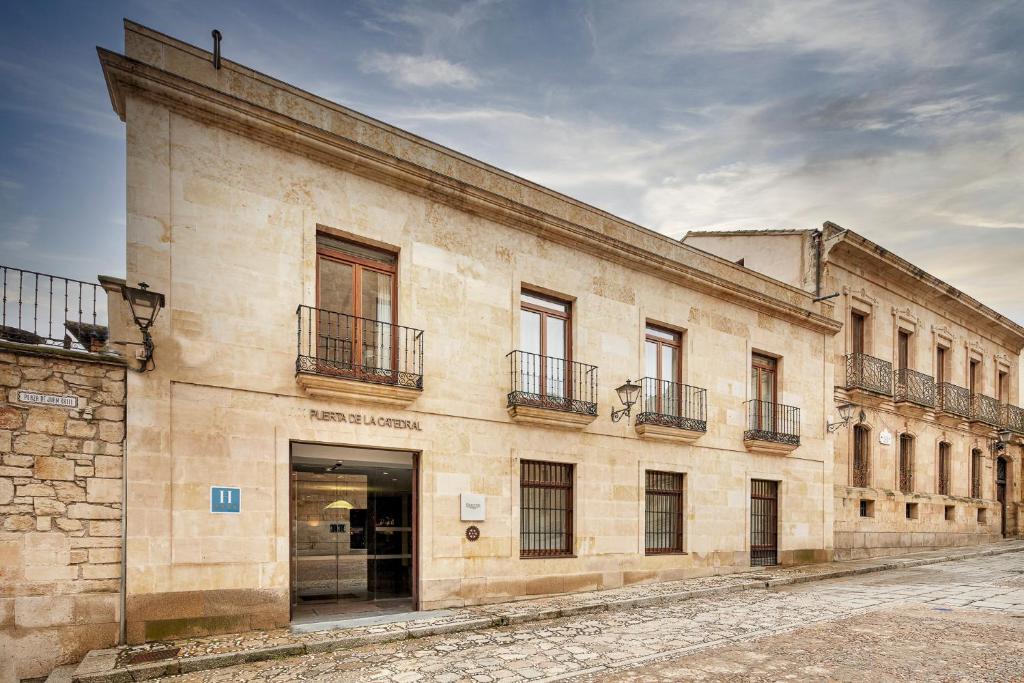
420,71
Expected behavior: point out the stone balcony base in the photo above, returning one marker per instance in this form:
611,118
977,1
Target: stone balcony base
329,386
550,418
769,447
913,409
669,434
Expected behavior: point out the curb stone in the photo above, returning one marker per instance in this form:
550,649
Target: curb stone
99,666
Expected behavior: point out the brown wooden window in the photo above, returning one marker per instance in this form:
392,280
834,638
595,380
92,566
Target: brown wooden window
861,456
857,325
545,332
545,499
941,355
944,468
662,364
1002,386
664,513
976,473
356,295
906,470
972,376
903,350
763,390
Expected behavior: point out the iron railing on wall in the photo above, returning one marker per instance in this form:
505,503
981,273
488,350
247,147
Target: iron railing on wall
51,310
768,421
867,372
671,404
552,383
985,409
342,345
914,387
1012,418
953,399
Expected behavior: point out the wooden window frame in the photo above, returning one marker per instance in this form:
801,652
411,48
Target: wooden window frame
944,467
537,484
760,362
904,351
865,444
858,335
975,483
905,438
677,492
545,313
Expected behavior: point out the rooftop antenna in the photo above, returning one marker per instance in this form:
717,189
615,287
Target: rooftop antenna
216,48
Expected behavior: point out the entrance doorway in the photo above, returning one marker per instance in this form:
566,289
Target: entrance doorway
1001,466
764,522
353,519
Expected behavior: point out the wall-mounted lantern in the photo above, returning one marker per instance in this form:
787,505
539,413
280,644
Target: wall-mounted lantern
144,306
1002,440
628,393
845,415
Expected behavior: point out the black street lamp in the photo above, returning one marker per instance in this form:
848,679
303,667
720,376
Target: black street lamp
144,306
845,414
627,396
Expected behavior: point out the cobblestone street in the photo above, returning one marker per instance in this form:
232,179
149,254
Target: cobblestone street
950,621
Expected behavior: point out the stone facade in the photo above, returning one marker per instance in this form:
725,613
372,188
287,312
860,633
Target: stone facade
231,175
60,508
893,297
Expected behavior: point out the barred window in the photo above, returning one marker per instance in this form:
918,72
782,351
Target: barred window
861,461
976,473
664,513
944,468
545,499
906,463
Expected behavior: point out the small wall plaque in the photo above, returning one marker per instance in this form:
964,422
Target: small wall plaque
225,499
472,533
474,508
56,400
885,437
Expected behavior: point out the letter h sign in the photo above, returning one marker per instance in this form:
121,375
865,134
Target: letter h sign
225,499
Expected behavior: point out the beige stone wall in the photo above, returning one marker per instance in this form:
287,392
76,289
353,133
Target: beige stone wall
60,509
224,224
786,256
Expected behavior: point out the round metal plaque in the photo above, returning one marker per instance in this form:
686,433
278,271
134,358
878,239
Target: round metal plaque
472,533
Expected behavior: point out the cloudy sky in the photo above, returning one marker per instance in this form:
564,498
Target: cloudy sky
901,120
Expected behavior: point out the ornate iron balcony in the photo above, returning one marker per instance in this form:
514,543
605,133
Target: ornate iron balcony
985,409
671,404
56,311
954,400
342,345
1013,418
867,372
553,383
772,422
915,387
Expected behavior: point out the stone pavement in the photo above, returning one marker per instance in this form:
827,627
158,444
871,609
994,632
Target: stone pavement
581,634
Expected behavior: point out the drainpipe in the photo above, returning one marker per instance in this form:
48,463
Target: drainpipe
122,632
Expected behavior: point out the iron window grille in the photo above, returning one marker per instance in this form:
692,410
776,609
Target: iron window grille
664,514
915,387
764,522
906,456
342,345
954,400
671,404
552,383
767,421
944,468
545,501
870,373
861,457
50,310
985,409
975,473
1013,418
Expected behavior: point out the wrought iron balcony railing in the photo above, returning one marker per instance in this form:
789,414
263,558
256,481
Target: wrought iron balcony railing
867,372
361,349
914,387
772,422
552,383
1013,418
51,310
954,400
985,409
671,404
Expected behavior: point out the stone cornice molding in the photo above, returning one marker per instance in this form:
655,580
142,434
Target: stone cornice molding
124,75
906,314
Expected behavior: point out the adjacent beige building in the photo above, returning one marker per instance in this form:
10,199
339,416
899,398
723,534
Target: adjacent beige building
399,364
932,454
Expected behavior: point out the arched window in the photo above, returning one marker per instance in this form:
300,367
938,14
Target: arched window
906,464
944,468
861,456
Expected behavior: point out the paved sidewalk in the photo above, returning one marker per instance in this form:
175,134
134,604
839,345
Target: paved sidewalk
197,654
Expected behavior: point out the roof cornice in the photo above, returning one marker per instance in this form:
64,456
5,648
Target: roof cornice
618,240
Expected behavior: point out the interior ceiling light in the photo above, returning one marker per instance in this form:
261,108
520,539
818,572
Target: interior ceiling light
339,505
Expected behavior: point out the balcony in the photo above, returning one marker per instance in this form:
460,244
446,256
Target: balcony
344,357
915,388
954,400
771,427
985,410
1012,418
670,411
553,392
867,373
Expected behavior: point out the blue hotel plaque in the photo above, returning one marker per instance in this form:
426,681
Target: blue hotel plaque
225,499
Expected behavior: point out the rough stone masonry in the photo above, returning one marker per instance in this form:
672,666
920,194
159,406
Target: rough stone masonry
60,507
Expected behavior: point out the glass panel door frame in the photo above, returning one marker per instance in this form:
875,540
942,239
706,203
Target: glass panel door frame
665,340
558,310
764,372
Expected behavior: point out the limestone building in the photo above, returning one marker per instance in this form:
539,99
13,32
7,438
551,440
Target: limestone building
932,454
385,374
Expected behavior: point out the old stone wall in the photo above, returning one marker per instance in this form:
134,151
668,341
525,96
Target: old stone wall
60,507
